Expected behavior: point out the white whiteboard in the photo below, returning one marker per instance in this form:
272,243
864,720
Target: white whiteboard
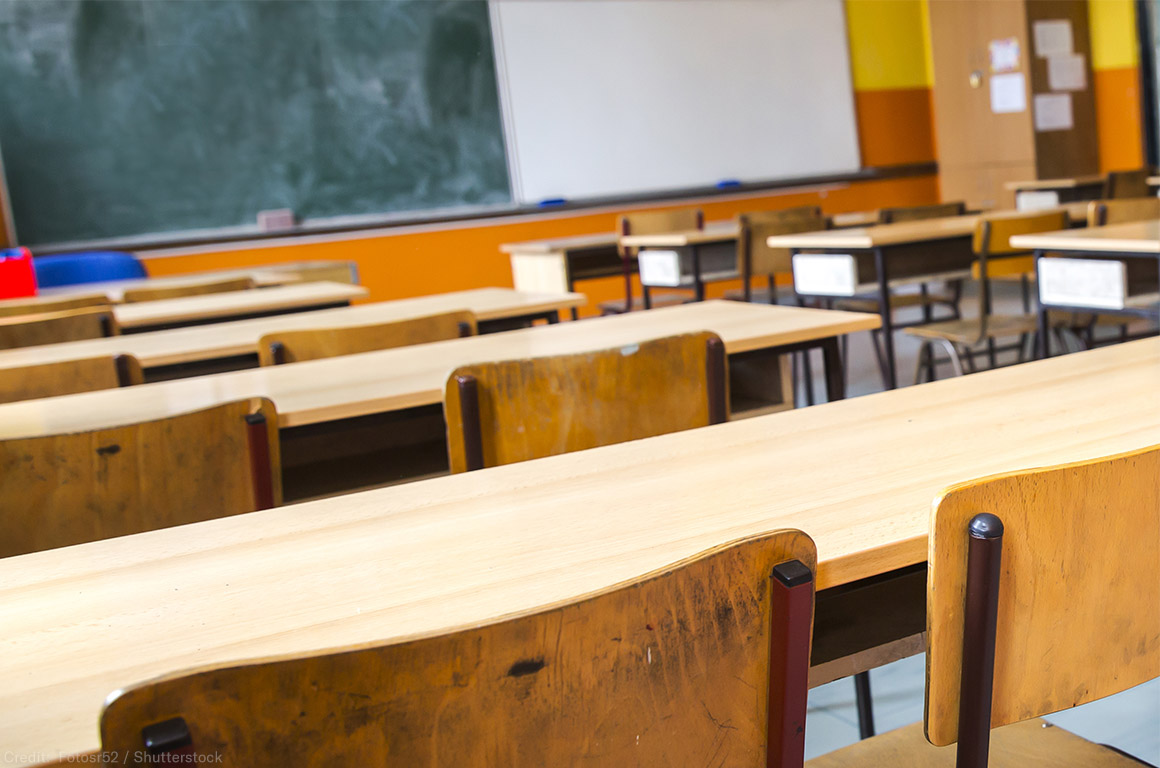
614,97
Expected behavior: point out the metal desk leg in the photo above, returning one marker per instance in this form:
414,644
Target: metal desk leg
1043,348
887,319
865,705
835,374
698,283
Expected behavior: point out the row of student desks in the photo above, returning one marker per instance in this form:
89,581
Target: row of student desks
237,342
859,476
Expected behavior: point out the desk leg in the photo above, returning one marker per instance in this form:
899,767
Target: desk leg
571,289
807,369
1043,348
865,705
698,283
887,319
835,375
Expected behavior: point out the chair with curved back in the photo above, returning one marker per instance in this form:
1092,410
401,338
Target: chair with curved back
132,295
62,489
16,307
648,223
86,267
69,377
56,327
504,412
1043,593
706,657
1125,184
991,240
313,344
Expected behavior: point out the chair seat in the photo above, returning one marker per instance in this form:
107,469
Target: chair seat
966,331
897,301
1030,744
616,306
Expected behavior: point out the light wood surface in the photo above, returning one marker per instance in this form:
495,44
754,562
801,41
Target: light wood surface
1090,630
530,408
860,238
1133,237
854,219
319,343
621,677
1122,211
562,244
713,232
1154,181
1066,183
269,275
68,377
858,476
189,308
184,345
377,382
1032,743
64,489
34,305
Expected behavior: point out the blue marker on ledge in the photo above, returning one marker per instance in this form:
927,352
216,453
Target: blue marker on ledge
728,183
551,201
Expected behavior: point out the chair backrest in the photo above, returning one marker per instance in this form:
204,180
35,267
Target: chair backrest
298,346
707,656
15,307
500,413
1056,572
86,267
654,222
58,490
56,327
754,257
921,212
325,272
1132,183
992,238
1102,212
69,377
192,289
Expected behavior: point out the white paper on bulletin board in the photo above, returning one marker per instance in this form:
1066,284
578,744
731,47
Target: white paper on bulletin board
1053,112
1052,38
1067,72
1005,54
1008,93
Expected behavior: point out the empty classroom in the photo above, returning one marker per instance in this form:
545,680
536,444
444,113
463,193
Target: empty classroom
557,382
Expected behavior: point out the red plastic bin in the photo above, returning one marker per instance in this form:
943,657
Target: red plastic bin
17,277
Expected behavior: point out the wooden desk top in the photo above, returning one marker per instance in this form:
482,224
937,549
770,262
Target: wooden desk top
1047,184
858,476
562,244
854,219
1154,181
1132,237
114,290
714,232
186,345
393,379
233,303
860,238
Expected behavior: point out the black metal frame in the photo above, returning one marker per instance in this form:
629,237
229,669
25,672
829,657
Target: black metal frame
980,624
1149,87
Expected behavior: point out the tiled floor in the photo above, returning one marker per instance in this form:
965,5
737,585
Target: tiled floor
1129,721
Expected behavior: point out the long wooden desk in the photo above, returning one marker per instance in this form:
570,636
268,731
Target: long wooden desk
407,377
494,308
1134,243
858,476
114,290
213,307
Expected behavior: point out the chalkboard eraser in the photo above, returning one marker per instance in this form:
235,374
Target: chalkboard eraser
552,201
281,218
727,183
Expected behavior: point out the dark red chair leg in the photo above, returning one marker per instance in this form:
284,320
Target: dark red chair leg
261,470
980,620
469,419
791,619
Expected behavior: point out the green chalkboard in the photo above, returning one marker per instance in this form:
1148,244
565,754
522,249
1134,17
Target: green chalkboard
131,117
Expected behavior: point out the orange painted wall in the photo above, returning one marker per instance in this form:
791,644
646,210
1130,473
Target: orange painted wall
456,257
895,126
1118,120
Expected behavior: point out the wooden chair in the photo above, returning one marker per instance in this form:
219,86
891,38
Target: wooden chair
706,658
16,307
1121,184
58,490
1103,212
921,212
500,413
57,327
992,236
325,272
69,377
648,223
192,289
754,257
1043,594
298,346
